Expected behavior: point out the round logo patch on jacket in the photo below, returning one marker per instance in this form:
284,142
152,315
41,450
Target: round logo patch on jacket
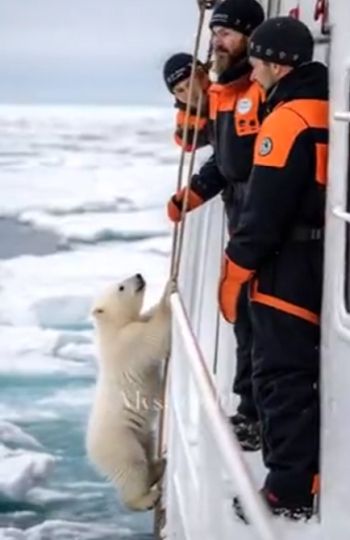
266,147
244,105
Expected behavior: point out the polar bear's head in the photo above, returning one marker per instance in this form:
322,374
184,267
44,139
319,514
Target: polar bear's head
121,303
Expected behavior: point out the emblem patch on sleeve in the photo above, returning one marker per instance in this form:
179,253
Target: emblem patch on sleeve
266,147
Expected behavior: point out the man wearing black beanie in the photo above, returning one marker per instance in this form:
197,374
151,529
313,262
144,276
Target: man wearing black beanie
279,243
177,74
235,111
231,24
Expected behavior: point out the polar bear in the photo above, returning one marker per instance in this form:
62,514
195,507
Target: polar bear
131,347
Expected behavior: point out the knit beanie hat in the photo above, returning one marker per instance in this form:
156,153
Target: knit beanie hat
283,40
178,68
240,15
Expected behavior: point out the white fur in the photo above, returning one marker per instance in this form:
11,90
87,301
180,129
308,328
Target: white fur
127,397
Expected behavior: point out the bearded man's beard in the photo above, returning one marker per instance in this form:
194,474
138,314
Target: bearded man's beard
221,63
223,59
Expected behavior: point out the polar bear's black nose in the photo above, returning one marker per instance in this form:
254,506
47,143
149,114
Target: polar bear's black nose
139,277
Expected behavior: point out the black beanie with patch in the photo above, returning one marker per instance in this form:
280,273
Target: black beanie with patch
240,15
282,40
178,68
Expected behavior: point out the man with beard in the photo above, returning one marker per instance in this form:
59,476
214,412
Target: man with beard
279,242
235,112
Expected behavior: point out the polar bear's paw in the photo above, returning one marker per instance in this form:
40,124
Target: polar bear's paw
170,288
145,502
157,470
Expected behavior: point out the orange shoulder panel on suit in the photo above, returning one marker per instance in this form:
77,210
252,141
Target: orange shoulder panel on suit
280,130
222,98
277,137
314,111
316,114
243,99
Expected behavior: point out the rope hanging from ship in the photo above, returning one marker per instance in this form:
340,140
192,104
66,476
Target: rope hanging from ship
179,228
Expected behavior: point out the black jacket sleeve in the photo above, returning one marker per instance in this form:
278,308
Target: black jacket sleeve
209,181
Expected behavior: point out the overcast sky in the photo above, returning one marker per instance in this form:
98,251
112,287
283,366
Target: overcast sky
90,51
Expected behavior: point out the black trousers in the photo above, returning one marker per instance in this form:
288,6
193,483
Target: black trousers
243,384
286,390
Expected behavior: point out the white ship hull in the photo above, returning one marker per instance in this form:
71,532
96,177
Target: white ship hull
205,465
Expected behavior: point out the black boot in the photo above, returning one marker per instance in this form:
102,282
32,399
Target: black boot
296,509
247,431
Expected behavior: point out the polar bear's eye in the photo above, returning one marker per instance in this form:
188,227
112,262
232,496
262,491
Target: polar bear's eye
121,287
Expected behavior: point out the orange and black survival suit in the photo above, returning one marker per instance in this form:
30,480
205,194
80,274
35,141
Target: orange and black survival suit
235,111
279,243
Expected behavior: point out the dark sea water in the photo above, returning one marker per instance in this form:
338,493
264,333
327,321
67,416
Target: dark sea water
80,200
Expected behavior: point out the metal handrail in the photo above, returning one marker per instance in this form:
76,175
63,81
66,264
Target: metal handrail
338,212
227,446
342,116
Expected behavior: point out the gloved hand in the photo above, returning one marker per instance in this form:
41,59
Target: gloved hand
231,280
176,202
